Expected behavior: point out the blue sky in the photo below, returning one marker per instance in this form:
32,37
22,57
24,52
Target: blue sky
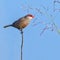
36,47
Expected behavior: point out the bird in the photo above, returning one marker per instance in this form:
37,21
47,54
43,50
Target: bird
21,22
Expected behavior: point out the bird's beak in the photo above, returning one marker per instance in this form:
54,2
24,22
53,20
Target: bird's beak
32,16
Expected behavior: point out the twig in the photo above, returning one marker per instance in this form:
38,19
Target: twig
22,45
54,3
44,30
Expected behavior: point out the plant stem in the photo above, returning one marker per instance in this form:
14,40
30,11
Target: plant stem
22,45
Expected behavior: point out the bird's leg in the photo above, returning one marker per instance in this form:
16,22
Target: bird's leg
21,31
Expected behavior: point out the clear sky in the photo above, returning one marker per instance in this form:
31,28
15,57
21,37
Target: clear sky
36,47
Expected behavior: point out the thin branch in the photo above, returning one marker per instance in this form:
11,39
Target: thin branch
54,3
22,45
44,30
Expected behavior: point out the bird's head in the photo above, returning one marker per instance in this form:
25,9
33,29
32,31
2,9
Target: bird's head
30,16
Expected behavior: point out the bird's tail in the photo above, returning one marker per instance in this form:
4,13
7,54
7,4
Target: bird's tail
7,26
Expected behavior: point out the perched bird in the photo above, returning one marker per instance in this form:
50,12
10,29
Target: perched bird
21,22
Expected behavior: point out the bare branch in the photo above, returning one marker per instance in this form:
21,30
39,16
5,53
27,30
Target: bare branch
22,45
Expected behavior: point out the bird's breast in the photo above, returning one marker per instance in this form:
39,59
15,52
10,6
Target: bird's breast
21,23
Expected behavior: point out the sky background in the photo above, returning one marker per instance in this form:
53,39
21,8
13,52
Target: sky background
36,47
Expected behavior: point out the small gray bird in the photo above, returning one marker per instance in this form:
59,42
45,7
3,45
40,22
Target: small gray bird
21,22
